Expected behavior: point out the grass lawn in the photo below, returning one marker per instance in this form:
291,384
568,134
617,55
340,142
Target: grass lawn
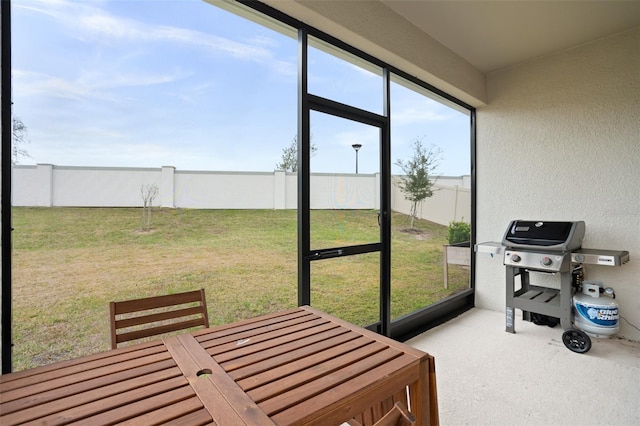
69,263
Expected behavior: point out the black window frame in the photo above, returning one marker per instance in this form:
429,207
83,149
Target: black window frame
416,322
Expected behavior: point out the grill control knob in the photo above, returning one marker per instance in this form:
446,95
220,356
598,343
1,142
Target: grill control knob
515,258
546,261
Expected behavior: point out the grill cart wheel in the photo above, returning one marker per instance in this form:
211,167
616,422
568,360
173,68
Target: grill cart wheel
576,340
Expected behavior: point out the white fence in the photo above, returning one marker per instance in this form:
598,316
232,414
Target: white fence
46,185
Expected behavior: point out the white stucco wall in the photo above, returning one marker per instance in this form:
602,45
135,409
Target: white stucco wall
560,140
80,187
224,190
47,185
451,201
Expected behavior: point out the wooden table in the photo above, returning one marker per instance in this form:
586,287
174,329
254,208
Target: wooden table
295,367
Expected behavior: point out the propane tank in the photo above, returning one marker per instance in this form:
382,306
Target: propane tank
596,312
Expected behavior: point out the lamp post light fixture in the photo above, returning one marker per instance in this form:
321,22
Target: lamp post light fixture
357,147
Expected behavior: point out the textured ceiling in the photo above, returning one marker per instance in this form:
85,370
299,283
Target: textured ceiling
495,34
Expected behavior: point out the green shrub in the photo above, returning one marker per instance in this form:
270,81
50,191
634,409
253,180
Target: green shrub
459,232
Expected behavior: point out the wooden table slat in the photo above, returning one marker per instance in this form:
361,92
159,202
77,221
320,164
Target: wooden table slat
180,411
134,407
312,381
38,376
318,362
288,353
259,345
417,353
269,320
197,418
122,406
337,404
48,384
83,393
218,345
103,358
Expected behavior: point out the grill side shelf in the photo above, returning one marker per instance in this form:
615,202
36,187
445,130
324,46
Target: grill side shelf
600,257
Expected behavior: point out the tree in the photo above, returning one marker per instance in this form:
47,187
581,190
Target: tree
148,193
19,139
290,156
417,183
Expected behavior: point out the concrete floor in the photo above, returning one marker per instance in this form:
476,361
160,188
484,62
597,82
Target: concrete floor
486,376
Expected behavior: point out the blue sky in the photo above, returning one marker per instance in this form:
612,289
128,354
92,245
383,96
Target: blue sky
187,84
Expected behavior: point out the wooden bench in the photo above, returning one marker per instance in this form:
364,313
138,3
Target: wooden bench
152,316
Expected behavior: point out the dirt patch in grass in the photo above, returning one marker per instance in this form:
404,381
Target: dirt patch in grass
144,231
418,234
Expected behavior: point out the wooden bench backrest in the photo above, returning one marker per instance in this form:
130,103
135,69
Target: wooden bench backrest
151,316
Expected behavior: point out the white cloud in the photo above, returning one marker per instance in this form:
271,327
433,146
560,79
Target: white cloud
102,27
95,85
285,68
36,84
88,22
413,115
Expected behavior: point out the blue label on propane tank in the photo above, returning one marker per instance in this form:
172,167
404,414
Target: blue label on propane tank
607,317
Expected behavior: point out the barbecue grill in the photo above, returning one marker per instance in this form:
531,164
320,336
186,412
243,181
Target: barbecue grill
551,248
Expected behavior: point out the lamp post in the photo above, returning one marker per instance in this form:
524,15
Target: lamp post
357,147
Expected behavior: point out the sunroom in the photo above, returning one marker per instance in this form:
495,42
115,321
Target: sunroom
549,94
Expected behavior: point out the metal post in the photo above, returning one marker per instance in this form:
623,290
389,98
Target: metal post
357,147
7,126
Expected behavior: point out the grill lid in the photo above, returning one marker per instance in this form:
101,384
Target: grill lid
555,236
